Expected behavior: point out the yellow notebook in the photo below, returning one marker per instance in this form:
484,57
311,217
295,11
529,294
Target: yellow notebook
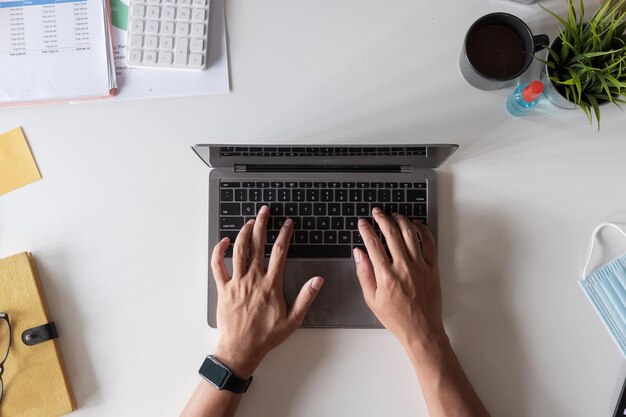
35,384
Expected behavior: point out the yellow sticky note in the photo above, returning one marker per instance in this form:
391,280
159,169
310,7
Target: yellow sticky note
17,165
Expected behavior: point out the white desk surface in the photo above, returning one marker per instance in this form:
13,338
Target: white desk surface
118,225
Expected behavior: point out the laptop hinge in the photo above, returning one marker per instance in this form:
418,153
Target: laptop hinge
322,168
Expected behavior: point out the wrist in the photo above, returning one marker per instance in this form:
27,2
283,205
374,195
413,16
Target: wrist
240,364
424,345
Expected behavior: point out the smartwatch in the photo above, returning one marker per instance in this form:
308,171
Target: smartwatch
221,377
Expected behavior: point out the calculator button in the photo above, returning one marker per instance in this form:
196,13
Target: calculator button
167,28
139,11
134,56
166,43
182,28
195,60
182,45
150,57
197,45
183,13
153,1
168,13
137,25
184,2
154,12
165,58
199,2
136,41
197,29
152,27
169,2
151,42
198,14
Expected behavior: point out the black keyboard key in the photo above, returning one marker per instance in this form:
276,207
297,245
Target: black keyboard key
272,235
391,185
323,223
276,209
363,185
231,223
284,195
377,185
405,209
232,235
262,184
319,209
341,195
255,195
347,209
278,222
348,184
305,209
319,185
302,236
305,185
334,184
247,184
420,185
369,196
362,209
277,184
313,195
291,209
334,209
419,209
241,194
226,194
397,196
326,195
230,209
416,196
336,223
356,195
258,206
317,251
291,184
330,237
384,196
229,252
356,238
230,184
269,195
345,236
298,195
297,222
391,208
308,223
406,185
315,236
352,223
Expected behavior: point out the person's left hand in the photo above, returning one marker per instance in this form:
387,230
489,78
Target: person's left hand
252,314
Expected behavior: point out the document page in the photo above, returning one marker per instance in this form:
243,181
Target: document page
53,49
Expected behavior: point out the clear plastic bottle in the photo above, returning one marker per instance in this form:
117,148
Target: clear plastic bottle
525,98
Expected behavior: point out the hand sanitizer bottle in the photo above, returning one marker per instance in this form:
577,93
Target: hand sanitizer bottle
525,98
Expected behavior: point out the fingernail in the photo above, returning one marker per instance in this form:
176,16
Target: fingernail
317,283
357,254
363,222
251,221
288,223
377,210
394,214
264,210
224,240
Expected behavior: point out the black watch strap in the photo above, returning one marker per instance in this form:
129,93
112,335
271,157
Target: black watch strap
222,378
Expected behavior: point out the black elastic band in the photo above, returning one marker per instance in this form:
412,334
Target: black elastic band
39,334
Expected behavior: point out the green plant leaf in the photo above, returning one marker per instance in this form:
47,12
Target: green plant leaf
596,108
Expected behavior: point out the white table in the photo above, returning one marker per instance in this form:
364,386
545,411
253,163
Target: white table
118,223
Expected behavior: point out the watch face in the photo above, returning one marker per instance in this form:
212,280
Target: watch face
214,373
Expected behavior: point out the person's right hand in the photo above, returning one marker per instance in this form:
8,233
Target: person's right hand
402,291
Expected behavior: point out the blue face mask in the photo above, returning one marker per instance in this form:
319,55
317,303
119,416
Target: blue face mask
606,289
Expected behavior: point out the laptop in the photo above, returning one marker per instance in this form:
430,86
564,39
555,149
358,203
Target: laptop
325,190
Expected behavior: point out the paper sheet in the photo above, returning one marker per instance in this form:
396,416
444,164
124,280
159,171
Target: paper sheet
53,49
136,83
17,165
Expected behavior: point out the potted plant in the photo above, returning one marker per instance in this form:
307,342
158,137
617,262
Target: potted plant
586,63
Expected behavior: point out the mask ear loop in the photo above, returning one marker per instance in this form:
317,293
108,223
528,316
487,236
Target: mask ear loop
593,241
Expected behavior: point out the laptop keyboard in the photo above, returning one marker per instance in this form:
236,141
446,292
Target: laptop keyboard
317,151
325,214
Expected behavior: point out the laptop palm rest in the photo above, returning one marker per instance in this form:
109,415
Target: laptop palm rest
340,301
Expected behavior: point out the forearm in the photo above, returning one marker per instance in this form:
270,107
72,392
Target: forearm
207,401
447,390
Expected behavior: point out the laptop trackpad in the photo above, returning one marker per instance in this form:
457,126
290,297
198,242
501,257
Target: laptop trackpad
340,302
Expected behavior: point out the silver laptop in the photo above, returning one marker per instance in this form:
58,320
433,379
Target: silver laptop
325,190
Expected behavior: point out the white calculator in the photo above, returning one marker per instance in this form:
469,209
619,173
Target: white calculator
168,34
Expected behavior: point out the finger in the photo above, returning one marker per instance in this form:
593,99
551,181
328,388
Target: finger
217,262
240,250
278,258
410,237
365,272
257,246
374,246
305,298
395,243
429,249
